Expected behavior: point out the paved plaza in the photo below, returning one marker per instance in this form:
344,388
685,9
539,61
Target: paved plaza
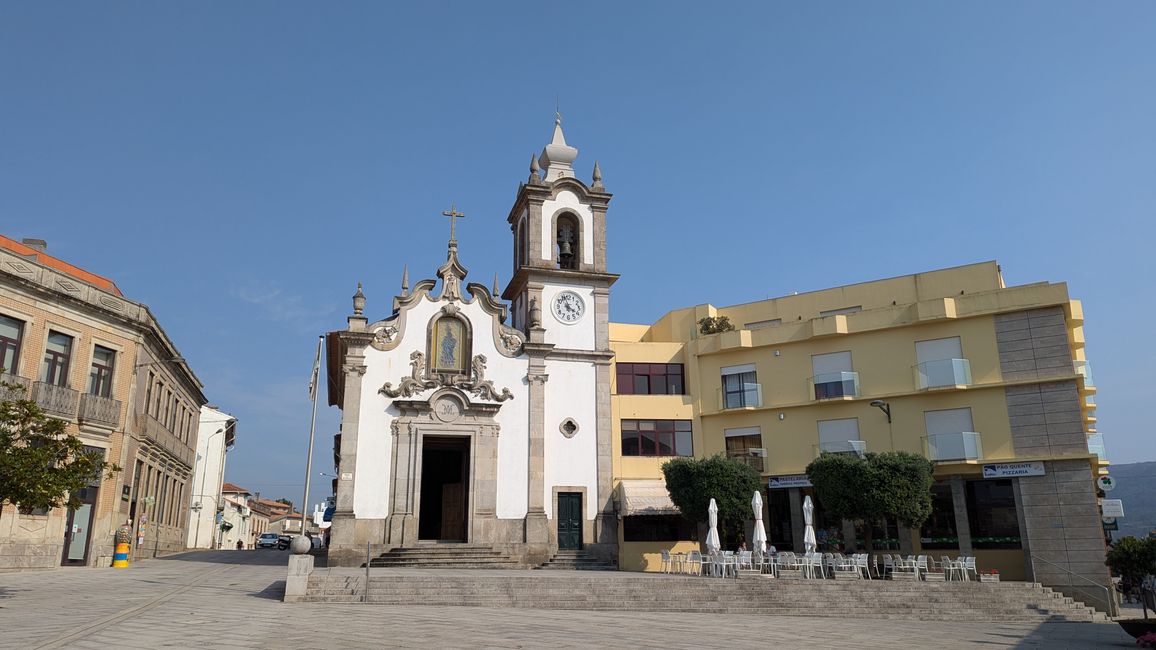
232,599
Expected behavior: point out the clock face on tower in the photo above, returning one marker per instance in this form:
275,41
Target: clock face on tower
568,307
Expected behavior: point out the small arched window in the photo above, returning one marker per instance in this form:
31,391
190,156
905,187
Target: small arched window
568,242
522,252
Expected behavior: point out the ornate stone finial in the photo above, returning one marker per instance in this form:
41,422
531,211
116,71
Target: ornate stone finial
597,176
358,301
497,291
535,176
557,157
535,313
405,280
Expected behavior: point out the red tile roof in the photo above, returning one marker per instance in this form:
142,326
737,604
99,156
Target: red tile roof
60,265
229,487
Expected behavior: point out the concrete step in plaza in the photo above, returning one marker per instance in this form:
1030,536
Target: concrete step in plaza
622,591
576,561
456,556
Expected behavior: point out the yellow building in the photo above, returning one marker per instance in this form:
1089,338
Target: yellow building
989,382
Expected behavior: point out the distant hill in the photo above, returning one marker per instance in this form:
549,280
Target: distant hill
1136,485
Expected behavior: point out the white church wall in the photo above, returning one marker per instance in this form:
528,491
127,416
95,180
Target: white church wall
571,461
371,497
567,201
573,336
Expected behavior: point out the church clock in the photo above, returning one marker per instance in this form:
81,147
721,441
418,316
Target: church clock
568,307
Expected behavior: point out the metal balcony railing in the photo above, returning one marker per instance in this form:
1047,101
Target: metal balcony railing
151,429
22,385
55,400
964,445
100,410
943,373
834,385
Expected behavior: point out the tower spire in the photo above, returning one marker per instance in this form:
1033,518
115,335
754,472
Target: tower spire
405,280
557,157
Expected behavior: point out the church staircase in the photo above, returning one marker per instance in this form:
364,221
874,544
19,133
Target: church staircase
640,592
445,556
576,561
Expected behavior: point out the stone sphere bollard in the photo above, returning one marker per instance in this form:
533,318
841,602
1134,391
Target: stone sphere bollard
300,545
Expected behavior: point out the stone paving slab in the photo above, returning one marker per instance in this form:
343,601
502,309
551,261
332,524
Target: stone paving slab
231,599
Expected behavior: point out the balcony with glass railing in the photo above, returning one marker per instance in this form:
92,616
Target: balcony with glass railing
834,385
1084,369
13,387
961,446
748,396
943,373
745,457
55,400
857,447
1096,445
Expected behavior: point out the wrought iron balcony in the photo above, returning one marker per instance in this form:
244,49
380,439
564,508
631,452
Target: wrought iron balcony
99,410
151,429
835,385
55,400
964,445
12,394
943,373
857,447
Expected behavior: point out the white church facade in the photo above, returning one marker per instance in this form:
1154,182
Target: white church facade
480,417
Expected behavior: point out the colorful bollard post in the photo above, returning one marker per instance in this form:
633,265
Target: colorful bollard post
123,544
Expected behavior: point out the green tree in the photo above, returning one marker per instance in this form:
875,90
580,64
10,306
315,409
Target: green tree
865,490
693,482
1133,559
286,502
41,464
715,324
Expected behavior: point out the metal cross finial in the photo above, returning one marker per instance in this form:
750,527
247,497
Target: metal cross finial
454,215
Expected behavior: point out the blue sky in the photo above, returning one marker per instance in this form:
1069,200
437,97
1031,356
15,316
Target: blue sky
240,166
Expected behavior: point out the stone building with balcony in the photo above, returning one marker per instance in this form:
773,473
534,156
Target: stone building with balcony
71,342
987,381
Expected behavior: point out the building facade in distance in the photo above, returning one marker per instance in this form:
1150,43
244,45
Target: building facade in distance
216,435
989,382
71,342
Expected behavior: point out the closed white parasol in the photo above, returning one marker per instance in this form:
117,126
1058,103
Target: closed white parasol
712,543
760,541
809,544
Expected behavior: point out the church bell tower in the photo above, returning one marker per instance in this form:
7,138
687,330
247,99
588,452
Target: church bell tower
560,296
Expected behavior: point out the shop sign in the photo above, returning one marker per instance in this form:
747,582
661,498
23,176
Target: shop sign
1112,508
1009,470
790,481
1106,483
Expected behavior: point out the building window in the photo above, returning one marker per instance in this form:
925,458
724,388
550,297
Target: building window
11,333
656,438
658,528
522,243
740,387
57,355
649,379
840,436
100,378
740,442
991,512
157,405
833,376
939,530
940,363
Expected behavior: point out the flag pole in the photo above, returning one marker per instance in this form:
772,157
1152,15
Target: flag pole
312,428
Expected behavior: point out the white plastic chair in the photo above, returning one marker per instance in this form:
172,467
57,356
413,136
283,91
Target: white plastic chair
694,562
862,565
664,566
969,567
951,568
888,565
745,560
921,567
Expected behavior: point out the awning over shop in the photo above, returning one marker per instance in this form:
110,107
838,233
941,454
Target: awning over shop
644,497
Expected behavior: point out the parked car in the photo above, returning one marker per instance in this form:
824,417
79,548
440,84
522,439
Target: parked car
272,540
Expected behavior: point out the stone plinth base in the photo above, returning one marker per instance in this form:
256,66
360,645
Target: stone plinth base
297,581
